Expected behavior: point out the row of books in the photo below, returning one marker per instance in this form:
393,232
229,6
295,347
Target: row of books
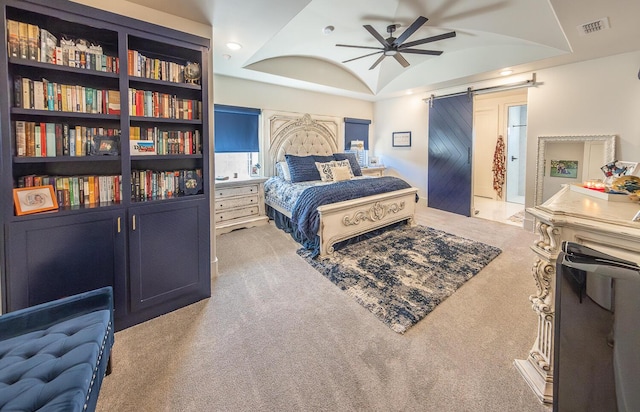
143,66
46,95
155,104
153,185
169,141
78,190
28,41
33,139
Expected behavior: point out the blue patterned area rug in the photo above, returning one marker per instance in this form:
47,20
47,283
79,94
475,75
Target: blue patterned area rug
402,274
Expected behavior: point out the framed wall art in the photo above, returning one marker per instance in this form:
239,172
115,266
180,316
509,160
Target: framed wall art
401,139
564,168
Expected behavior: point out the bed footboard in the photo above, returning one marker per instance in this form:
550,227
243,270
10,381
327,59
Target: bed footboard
344,220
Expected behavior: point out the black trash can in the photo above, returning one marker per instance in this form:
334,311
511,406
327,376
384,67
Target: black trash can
596,346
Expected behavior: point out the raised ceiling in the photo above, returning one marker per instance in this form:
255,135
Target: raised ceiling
283,41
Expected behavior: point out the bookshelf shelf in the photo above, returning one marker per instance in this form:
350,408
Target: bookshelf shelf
69,159
142,81
61,68
149,119
61,114
69,92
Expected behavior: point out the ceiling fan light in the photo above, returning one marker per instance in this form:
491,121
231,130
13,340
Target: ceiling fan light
390,52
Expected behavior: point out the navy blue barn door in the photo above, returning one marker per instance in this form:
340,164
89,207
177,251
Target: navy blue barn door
449,170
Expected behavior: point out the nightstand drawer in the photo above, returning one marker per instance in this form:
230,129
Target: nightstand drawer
237,213
236,191
236,202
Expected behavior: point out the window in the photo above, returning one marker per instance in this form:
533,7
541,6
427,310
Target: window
356,129
237,140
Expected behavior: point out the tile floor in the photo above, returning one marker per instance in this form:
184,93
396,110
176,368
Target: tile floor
498,211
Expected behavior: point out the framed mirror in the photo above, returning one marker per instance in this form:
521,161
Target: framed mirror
587,150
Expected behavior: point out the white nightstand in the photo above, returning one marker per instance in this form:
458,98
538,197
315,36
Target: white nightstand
239,204
373,171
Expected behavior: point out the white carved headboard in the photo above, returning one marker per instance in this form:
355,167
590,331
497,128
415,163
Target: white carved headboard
299,135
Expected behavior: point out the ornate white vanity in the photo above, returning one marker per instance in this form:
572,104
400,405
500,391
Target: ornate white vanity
569,215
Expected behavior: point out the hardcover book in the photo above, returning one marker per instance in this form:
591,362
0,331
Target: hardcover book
13,33
23,39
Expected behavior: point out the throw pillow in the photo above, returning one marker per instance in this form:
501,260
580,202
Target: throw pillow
353,161
323,159
302,168
344,163
341,173
282,170
325,170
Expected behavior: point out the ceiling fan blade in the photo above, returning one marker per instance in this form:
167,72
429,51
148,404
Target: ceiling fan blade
377,35
359,47
428,40
410,30
377,62
401,60
418,51
360,57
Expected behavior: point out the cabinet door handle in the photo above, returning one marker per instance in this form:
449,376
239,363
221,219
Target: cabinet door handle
134,223
118,224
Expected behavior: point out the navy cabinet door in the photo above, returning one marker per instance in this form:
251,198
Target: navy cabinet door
57,256
169,255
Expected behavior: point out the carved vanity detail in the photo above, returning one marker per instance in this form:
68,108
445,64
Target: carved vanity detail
576,217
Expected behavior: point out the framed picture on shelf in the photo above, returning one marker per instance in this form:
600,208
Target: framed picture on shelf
35,199
374,161
105,145
401,139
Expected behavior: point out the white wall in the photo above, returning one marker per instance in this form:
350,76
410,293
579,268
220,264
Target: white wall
403,114
596,97
238,92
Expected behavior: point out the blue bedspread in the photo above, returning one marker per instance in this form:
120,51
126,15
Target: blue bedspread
305,216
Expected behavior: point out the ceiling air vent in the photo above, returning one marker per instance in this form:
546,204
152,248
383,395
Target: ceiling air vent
594,26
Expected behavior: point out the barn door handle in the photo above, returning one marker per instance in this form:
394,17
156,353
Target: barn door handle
468,155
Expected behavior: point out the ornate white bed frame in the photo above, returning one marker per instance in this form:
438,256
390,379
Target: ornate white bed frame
302,136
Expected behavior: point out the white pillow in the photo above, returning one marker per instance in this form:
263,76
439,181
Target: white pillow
283,168
342,173
325,170
343,163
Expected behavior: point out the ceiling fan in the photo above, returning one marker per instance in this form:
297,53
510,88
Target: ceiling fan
395,46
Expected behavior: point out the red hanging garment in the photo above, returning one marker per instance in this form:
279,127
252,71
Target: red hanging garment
499,168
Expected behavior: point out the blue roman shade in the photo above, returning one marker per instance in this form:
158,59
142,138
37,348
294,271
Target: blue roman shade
356,129
236,129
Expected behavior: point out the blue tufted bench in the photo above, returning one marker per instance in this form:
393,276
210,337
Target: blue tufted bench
53,356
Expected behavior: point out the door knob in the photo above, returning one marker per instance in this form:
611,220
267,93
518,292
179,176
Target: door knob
513,158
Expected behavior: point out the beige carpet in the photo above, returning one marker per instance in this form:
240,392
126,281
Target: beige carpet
276,336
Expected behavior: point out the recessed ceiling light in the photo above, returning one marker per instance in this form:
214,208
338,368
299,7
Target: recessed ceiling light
226,56
328,30
234,46
506,72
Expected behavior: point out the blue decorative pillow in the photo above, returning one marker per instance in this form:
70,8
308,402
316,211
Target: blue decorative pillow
351,157
302,168
324,159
